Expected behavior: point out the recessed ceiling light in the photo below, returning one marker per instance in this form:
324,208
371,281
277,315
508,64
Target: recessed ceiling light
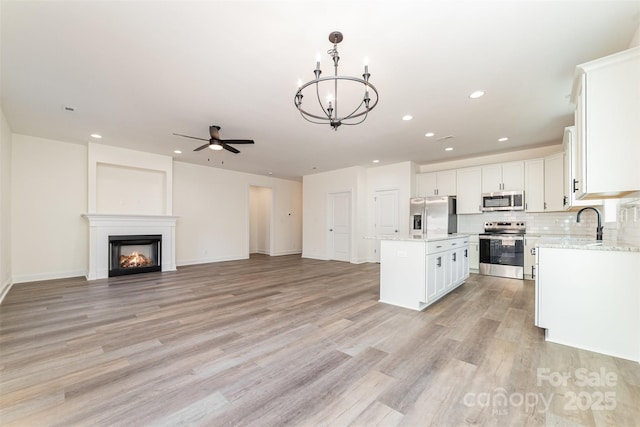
407,117
177,151
270,173
503,139
476,94
429,134
448,149
376,161
96,136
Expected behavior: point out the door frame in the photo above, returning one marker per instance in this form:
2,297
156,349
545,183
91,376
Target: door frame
271,219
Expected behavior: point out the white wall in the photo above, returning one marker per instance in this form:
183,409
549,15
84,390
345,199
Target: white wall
49,192
398,176
112,177
316,189
362,183
5,206
214,220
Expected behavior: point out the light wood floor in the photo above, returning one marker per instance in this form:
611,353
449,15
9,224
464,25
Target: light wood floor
275,341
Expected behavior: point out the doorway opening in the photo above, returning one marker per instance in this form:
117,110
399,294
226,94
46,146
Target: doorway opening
260,213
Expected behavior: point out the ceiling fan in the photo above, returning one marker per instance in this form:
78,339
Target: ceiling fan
215,143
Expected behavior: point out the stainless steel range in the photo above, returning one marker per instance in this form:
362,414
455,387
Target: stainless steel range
502,249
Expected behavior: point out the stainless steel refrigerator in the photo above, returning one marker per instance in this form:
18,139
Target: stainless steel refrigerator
433,216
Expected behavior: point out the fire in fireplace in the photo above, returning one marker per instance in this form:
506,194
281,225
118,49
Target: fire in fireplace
134,254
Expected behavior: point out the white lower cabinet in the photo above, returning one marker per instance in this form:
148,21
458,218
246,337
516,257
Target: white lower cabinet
416,273
474,253
530,256
589,299
435,276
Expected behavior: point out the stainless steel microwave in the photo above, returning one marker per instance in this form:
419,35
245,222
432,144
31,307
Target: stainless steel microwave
503,201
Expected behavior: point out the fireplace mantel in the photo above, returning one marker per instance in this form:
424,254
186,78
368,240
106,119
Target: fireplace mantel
101,226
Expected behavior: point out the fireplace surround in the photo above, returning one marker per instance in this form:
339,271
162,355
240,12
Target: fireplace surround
101,226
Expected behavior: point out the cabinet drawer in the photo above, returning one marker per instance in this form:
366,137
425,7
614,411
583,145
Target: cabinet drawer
445,245
438,246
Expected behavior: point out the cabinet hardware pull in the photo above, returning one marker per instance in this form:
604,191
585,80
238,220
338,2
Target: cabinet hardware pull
454,257
575,185
466,255
439,261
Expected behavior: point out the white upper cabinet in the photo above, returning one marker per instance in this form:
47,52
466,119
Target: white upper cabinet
503,177
469,190
606,95
534,179
572,177
436,184
554,197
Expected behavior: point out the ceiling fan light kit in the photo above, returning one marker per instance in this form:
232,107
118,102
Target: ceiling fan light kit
215,143
329,113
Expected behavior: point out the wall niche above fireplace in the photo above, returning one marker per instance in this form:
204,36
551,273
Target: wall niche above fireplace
135,254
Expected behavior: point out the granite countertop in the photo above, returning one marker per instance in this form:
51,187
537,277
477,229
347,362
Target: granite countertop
422,239
585,243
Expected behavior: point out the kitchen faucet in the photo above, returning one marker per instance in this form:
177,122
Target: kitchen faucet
599,229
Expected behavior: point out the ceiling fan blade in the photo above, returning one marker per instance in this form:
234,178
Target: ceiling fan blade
230,148
237,141
192,137
202,147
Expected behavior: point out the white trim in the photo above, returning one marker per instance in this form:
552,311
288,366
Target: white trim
5,289
197,261
101,226
314,257
48,276
292,252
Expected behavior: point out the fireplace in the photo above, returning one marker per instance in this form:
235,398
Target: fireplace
134,254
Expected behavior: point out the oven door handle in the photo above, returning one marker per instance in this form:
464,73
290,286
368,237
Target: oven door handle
501,237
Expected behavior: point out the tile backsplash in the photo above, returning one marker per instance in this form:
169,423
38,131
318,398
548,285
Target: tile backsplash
561,223
625,230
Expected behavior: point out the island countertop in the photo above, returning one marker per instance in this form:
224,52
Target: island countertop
585,243
406,238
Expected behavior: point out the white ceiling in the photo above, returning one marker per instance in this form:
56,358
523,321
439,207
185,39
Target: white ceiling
136,72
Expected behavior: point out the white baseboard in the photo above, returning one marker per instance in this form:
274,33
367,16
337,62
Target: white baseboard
314,257
209,260
294,252
48,276
5,289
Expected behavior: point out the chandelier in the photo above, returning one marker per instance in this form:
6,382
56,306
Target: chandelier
358,90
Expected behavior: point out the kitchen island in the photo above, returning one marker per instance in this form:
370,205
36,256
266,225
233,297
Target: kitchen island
415,273
588,295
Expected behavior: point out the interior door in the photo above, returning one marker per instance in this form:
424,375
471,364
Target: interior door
386,216
340,226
